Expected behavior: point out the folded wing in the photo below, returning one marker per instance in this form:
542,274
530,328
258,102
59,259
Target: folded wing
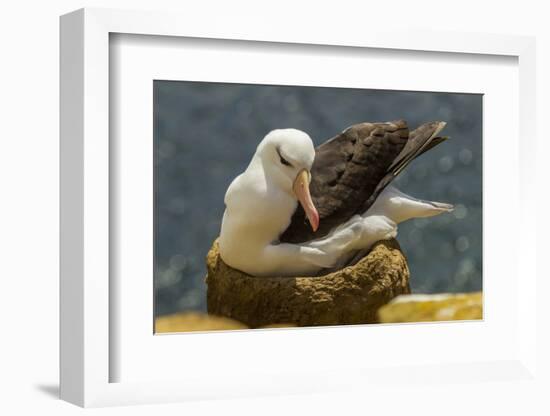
351,169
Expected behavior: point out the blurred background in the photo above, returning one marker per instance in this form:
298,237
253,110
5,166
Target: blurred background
206,133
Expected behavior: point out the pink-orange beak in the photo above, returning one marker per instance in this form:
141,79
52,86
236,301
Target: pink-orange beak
301,190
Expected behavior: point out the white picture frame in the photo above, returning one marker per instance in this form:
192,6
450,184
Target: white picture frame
86,352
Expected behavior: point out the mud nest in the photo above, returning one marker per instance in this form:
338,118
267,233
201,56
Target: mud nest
352,295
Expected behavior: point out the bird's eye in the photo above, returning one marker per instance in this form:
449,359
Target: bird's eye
284,161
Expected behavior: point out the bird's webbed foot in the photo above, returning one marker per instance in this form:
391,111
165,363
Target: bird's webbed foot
361,232
356,234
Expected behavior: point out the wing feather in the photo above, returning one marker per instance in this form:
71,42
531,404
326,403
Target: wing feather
347,170
353,168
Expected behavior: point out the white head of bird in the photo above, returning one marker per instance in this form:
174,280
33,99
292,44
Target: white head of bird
286,157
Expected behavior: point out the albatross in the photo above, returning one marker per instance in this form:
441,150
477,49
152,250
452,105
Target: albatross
298,210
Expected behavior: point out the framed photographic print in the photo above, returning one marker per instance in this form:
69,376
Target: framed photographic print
206,132
250,214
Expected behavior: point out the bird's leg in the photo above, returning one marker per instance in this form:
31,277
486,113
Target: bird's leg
308,258
356,234
400,207
294,260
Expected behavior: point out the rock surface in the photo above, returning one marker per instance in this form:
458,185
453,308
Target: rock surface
192,321
441,307
349,296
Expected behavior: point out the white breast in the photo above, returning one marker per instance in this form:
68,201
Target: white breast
255,215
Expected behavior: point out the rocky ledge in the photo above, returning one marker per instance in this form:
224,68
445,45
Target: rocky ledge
194,321
441,307
352,295
404,308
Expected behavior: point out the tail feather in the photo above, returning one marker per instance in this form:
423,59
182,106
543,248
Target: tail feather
434,142
420,140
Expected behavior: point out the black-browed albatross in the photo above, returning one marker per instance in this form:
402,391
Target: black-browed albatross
343,186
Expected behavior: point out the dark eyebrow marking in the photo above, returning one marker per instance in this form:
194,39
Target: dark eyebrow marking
283,160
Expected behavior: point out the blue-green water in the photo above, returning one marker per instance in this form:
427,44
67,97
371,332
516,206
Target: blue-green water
206,133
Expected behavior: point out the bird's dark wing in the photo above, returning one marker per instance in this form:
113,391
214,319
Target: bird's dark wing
346,171
420,141
351,169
